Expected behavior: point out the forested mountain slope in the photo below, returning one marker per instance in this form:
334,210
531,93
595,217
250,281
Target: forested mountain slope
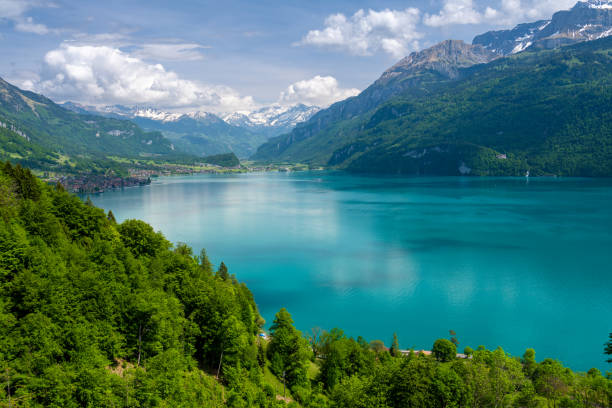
412,75
547,112
59,132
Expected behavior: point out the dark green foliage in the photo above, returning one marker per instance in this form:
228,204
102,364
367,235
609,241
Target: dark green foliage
342,358
223,160
26,185
288,351
394,350
608,349
444,350
222,272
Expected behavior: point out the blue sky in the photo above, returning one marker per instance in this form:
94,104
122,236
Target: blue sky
230,55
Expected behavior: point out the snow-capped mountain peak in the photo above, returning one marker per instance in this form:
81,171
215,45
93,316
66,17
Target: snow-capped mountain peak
588,20
154,114
595,4
272,116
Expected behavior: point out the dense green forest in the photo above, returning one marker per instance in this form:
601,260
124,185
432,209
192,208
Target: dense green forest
547,112
99,314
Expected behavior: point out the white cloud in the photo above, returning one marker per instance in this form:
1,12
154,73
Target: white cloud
169,52
519,11
28,25
106,75
364,33
14,11
14,8
319,91
454,12
504,12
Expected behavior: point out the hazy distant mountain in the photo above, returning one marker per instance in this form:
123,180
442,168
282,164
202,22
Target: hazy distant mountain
586,21
204,133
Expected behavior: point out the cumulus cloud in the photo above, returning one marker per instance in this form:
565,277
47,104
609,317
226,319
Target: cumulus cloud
504,12
456,12
364,33
520,11
320,91
107,75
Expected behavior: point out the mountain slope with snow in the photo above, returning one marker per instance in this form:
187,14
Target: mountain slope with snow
586,21
204,133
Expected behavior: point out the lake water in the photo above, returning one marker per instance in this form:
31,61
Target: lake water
504,262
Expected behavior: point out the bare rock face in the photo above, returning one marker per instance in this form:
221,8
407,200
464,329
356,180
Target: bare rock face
586,21
445,58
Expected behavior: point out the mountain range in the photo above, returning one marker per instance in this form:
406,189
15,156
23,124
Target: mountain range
204,133
533,99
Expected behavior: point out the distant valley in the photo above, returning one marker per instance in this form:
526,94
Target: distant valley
204,133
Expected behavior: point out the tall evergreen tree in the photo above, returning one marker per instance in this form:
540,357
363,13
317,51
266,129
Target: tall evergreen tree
395,350
222,272
288,351
608,349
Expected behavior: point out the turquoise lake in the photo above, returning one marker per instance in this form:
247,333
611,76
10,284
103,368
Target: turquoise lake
515,263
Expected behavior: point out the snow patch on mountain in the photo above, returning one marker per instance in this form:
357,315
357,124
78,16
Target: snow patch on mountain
157,115
588,20
277,116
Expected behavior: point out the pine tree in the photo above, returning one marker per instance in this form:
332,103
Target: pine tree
608,349
395,350
223,273
111,217
205,262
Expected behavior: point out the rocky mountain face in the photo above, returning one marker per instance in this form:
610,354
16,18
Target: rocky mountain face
415,73
586,21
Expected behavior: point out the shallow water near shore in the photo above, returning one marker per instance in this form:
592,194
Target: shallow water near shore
504,262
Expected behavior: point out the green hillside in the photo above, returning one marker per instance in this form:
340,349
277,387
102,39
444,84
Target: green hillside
59,139
99,314
547,112
205,135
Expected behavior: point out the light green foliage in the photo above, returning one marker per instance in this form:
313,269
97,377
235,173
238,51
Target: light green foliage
444,350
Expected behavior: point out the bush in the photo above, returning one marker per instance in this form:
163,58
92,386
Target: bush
444,350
